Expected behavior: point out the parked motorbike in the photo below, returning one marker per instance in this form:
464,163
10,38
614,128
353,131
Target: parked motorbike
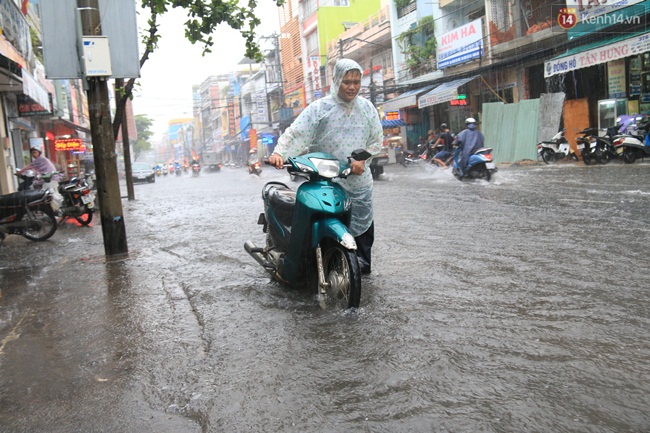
27,213
586,144
634,146
308,243
479,164
555,149
78,201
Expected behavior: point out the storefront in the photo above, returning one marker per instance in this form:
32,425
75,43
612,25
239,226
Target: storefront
612,75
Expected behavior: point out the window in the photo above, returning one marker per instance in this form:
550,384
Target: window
312,43
405,10
308,7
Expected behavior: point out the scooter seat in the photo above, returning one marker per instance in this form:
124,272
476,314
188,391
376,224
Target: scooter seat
283,202
21,198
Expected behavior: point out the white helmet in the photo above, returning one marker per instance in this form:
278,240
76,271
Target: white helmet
470,120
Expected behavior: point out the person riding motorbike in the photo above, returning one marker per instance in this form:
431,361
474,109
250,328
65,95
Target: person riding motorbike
447,139
469,140
339,124
40,164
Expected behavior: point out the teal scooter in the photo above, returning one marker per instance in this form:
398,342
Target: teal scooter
308,243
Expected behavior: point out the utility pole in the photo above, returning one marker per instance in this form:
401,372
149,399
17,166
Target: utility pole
101,129
126,145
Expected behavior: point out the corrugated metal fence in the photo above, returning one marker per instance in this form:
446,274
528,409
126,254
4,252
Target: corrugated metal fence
511,129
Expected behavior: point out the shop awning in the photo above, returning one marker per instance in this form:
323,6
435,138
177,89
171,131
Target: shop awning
443,93
392,123
598,52
407,99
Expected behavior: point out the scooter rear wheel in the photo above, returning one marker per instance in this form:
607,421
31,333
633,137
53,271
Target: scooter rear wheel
629,156
341,269
548,156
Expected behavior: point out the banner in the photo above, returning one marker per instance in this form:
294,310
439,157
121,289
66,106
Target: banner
460,45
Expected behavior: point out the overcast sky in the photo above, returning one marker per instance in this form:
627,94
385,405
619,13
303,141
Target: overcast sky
165,90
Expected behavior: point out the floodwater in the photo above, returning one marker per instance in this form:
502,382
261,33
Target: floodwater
518,305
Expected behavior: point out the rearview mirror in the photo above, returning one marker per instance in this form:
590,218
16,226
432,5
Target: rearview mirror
360,155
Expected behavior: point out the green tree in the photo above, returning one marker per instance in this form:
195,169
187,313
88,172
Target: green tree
204,16
143,127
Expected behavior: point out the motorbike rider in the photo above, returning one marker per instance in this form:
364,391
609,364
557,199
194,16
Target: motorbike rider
469,140
447,139
339,124
40,164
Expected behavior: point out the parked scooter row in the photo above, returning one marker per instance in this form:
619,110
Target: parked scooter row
628,139
72,198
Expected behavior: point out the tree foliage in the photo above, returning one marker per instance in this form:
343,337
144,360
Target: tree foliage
204,16
418,43
143,127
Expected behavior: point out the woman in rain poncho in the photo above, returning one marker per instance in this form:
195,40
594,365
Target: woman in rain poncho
339,124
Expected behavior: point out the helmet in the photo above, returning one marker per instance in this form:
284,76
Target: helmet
443,126
430,132
470,120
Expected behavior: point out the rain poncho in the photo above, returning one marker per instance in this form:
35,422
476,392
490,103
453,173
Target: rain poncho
334,126
470,140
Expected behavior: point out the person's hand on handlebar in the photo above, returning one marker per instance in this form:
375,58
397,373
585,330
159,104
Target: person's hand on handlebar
276,160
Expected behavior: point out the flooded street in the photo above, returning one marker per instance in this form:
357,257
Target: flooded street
519,305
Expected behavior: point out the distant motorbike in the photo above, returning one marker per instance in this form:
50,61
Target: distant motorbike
308,243
27,213
254,166
479,165
555,149
418,156
196,169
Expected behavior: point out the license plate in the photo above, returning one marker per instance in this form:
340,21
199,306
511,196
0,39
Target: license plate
489,165
620,150
581,146
85,199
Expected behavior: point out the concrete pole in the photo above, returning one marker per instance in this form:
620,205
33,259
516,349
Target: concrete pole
101,130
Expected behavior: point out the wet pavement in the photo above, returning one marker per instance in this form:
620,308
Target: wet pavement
518,305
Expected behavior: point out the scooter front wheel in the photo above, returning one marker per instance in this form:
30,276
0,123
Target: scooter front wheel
342,275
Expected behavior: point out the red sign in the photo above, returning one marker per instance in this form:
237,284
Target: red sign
253,138
456,102
74,144
392,115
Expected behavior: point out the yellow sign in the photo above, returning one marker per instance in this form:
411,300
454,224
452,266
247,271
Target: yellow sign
69,144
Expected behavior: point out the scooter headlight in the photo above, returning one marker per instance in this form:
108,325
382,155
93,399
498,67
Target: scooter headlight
347,241
328,168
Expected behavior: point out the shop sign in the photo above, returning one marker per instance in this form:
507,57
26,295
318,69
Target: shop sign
392,115
458,102
69,144
27,106
619,50
314,66
460,45
616,78
232,127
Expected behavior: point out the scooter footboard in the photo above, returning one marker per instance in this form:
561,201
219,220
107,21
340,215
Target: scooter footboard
335,229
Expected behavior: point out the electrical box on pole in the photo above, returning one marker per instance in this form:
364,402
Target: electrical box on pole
95,40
